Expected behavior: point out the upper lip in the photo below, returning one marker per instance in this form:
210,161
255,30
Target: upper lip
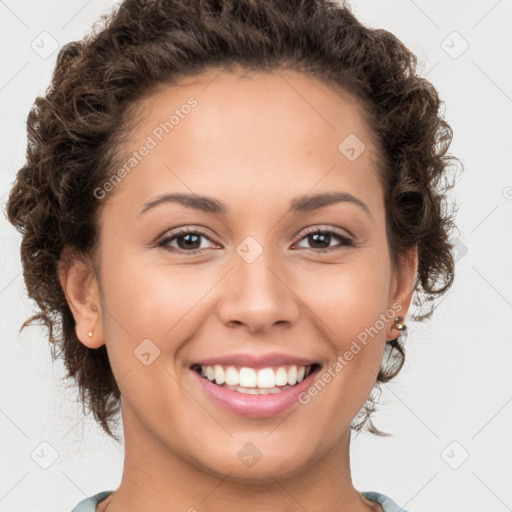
256,361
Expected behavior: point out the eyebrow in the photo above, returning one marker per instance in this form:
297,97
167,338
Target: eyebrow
298,204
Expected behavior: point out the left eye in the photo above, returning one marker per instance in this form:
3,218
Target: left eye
325,236
190,241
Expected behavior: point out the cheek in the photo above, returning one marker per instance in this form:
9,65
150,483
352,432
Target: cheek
349,298
351,303
150,300
147,308
348,303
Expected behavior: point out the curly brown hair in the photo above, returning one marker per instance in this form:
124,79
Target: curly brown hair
98,82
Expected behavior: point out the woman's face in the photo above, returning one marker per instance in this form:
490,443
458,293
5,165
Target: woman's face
255,284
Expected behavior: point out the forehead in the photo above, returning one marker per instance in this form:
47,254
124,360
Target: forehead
267,104
254,132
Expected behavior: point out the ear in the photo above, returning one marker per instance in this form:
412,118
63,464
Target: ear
79,283
402,289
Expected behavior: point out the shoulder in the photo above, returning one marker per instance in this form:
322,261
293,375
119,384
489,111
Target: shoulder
388,505
89,504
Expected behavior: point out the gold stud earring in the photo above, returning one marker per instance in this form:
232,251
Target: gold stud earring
94,308
399,324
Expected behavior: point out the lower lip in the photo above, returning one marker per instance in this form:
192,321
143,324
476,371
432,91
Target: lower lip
255,406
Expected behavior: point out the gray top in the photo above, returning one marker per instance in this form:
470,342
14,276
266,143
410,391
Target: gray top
388,505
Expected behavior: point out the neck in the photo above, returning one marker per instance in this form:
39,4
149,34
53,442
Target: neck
157,479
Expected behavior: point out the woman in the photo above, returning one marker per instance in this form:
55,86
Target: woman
227,208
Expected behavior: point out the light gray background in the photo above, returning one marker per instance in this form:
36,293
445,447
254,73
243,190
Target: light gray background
456,385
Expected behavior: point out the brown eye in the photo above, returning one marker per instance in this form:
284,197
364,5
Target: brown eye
320,240
187,240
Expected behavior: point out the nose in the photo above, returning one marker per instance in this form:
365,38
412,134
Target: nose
258,296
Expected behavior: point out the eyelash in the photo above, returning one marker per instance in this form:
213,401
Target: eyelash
346,241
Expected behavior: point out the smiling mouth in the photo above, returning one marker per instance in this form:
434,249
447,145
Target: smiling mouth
254,381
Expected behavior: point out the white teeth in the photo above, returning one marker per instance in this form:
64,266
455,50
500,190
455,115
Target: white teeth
220,378
292,375
266,378
256,391
251,380
247,378
231,376
281,377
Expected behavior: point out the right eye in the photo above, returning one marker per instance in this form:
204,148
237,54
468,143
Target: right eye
187,240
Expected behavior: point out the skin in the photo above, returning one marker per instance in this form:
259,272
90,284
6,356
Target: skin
253,142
